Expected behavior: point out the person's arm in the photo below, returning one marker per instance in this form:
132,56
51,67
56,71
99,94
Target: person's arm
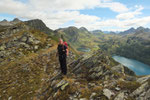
67,51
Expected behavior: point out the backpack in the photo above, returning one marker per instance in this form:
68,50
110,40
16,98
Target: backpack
66,44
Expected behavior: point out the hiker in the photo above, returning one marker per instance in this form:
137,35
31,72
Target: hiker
62,52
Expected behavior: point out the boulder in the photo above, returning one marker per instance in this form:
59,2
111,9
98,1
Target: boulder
143,79
142,89
108,93
24,39
36,47
30,40
36,41
62,84
119,68
147,95
120,96
92,95
3,47
83,99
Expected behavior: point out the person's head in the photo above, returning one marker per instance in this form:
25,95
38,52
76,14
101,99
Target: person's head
61,41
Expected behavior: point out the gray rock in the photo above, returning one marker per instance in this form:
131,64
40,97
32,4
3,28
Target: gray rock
119,68
30,40
122,69
10,98
147,95
49,45
36,47
92,95
143,79
3,47
62,84
24,45
120,96
117,88
24,39
91,84
108,93
130,78
36,41
140,90
83,99
72,98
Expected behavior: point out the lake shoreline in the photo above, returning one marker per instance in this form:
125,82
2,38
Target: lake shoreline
138,67
129,57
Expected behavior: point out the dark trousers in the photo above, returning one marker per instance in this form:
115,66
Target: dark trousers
63,64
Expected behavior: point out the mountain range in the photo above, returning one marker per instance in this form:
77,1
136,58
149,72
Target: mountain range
133,30
29,68
129,31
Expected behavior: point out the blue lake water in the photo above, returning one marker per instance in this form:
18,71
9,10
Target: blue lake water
138,67
84,49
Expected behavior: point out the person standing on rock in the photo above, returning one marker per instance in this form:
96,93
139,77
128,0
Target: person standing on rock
62,52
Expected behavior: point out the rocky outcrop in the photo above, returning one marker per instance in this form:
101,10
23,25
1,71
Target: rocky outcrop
122,69
18,41
102,81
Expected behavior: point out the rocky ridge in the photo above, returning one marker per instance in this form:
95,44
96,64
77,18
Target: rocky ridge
97,78
19,40
29,69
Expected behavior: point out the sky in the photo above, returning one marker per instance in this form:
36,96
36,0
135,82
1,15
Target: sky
106,15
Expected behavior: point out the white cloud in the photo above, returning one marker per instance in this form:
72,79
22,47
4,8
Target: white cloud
129,15
115,6
57,12
63,4
12,7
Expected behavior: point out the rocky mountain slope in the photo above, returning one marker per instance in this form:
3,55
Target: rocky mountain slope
19,40
99,78
25,55
29,70
39,25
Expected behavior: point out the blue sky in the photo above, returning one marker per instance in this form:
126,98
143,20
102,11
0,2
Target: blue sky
110,15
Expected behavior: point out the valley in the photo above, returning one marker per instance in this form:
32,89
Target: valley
29,67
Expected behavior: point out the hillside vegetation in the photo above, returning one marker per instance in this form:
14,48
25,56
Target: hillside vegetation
29,68
135,46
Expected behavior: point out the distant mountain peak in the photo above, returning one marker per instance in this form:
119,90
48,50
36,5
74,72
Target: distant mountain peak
5,23
140,28
83,29
72,27
97,31
4,20
16,20
129,31
39,25
133,30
